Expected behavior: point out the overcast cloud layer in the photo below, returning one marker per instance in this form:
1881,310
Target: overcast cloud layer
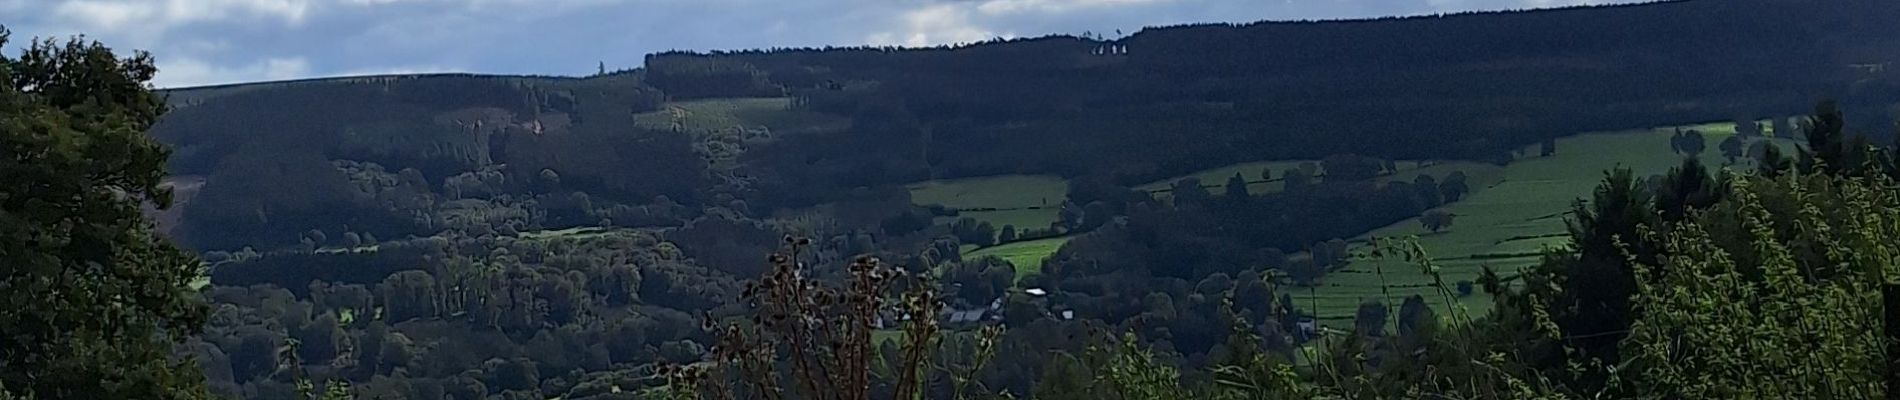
199,42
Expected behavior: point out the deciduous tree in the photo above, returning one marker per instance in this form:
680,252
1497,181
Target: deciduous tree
94,298
1436,220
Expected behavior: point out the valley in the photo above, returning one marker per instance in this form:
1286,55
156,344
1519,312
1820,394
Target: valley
1664,194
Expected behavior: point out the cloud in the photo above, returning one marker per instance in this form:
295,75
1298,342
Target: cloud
402,70
1469,5
948,23
1054,6
166,14
181,72
225,41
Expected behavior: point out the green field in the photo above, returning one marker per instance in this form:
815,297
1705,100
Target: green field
1511,216
1006,191
1728,128
1021,198
1505,224
1027,256
1025,201
717,115
1033,201
580,232
878,337
1215,180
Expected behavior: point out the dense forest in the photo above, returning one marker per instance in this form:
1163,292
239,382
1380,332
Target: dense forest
748,224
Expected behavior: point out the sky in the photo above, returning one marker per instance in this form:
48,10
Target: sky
202,42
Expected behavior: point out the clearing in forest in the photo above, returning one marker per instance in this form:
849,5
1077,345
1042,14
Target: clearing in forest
1024,201
726,115
1027,256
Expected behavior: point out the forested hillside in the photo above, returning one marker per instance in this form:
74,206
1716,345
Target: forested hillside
1166,101
1183,212
1161,102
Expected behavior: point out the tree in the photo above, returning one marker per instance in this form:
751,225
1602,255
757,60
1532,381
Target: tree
408,294
1066,376
1350,167
1743,287
1687,187
1599,279
318,339
1069,217
1336,248
985,234
1771,163
95,299
1454,187
549,179
1304,269
1095,215
1297,179
1370,319
1428,190
254,355
1436,220
1759,150
1830,148
1253,371
1188,192
1415,318
352,240
969,230
904,223
1237,187
1548,147
1688,143
1008,234
1732,148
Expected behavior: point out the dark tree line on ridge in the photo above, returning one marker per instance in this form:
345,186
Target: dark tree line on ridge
1193,97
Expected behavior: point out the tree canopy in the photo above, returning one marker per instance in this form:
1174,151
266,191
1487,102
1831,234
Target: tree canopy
95,299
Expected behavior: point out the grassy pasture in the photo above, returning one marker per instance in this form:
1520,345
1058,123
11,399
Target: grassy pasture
879,336
1215,179
1026,201
1005,191
1027,256
1507,222
1023,201
1512,215
580,232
